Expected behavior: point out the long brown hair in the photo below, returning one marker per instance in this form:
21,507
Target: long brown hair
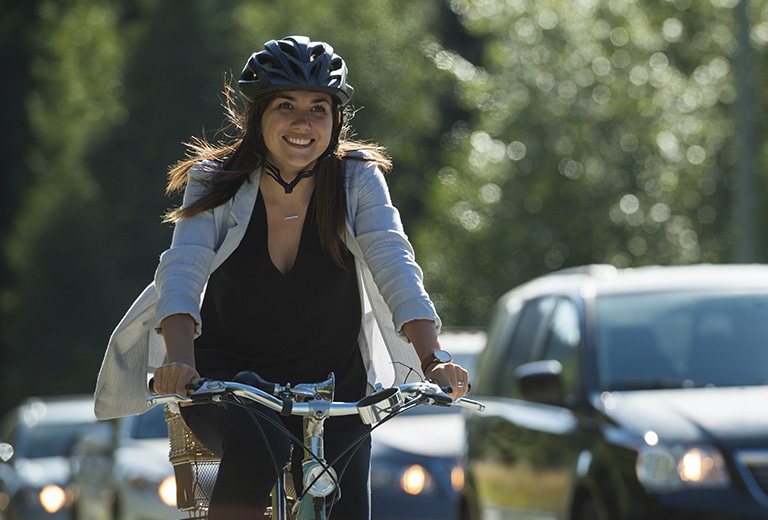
242,150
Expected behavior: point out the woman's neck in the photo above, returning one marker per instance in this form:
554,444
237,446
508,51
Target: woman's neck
289,181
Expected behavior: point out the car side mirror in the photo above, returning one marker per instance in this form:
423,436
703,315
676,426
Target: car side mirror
541,382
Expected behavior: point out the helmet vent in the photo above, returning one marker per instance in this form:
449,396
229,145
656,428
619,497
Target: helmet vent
289,49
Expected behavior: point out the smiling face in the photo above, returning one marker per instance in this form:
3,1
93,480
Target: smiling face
297,128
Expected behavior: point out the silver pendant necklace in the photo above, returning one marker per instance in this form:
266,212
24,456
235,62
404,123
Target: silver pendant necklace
275,205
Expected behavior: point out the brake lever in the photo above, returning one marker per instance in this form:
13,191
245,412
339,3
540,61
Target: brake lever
439,394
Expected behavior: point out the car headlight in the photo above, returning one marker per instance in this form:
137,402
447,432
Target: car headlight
457,478
167,491
52,498
138,480
671,468
414,479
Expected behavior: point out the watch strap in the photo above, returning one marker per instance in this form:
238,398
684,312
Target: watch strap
431,359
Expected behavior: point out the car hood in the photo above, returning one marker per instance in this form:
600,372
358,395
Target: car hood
145,456
730,416
43,471
431,435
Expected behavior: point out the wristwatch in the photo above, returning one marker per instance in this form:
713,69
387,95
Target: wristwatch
437,356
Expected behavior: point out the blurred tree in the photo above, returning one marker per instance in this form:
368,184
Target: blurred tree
527,136
117,87
15,54
602,131
177,52
52,251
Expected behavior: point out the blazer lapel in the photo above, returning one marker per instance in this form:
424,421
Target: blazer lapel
239,210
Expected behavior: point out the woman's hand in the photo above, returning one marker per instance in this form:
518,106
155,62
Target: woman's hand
173,378
423,335
449,374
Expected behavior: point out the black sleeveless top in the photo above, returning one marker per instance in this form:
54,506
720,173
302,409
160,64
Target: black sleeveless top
295,327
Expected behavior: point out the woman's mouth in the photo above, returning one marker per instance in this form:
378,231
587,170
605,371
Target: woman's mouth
298,141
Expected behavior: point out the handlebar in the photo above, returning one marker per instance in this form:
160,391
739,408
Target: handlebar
317,399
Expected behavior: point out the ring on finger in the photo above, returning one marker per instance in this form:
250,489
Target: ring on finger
460,384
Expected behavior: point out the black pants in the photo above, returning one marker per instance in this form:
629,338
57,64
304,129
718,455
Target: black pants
247,473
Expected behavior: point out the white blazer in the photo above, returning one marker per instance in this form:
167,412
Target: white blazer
391,282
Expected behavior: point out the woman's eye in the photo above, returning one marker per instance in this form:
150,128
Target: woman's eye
284,105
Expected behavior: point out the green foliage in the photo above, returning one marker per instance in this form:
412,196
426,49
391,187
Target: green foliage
46,312
527,135
602,131
115,89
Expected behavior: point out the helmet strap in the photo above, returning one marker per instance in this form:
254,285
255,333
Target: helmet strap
274,172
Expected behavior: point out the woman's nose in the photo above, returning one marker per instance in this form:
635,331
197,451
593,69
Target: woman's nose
302,118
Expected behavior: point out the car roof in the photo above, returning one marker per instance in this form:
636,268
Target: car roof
599,279
56,409
462,341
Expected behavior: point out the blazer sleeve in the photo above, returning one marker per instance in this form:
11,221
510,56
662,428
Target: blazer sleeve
183,269
387,252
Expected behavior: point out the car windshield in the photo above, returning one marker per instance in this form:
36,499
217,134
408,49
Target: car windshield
681,339
50,440
150,425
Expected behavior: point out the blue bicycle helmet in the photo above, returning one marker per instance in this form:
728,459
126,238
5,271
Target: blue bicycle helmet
295,63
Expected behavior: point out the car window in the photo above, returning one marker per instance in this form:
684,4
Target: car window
531,327
562,345
9,431
50,440
150,425
696,338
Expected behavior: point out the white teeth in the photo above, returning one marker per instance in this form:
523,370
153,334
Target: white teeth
301,142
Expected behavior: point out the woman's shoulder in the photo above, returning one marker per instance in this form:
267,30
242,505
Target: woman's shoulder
359,154
360,161
361,169
204,170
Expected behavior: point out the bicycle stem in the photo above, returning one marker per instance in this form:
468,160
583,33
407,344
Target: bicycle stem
314,428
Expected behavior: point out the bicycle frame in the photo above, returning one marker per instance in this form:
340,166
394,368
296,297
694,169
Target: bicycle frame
314,402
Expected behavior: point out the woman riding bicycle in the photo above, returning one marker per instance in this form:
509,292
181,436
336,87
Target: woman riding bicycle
288,259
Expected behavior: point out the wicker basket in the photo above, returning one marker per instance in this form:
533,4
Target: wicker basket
194,466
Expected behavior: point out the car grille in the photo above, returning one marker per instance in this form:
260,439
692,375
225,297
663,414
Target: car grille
753,465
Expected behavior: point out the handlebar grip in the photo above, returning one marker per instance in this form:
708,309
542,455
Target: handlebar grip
248,377
449,389
192,385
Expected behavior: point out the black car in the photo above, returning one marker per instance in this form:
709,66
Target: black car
624,394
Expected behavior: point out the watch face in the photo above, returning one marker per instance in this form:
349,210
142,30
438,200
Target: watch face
442,356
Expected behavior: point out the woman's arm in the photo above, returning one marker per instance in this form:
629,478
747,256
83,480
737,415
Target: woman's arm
386,249
180,278
179,335
423,335
390,257
183,270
